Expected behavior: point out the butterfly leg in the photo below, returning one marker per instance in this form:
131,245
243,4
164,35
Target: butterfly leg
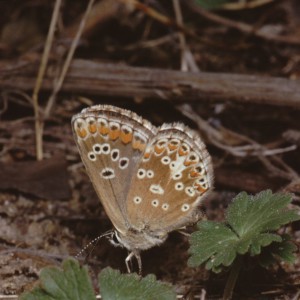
138,258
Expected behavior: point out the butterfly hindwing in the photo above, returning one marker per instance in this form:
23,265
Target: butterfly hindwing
172,177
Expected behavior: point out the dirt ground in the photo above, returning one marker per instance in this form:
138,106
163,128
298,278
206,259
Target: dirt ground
231,74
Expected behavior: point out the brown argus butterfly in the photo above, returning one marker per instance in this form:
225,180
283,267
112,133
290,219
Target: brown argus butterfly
150,180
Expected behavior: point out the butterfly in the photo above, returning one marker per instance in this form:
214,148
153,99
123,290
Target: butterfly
150,180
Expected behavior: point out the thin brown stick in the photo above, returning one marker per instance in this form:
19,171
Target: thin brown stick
273,164
41,72
243,27
68,60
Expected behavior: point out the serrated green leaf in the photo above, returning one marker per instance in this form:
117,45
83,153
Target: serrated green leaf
262,240
70,283
210,4
117,286
263,212
209,243
249,226
283,250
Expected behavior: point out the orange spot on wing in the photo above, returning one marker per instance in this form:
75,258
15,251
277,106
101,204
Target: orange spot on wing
194,174
172,147
103,130
158,149
188,163
81,132
138,145
92,128
147,155
181,152
200,189
126,137
114,134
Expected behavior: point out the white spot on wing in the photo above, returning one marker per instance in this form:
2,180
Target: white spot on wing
137,200
141,173
115,153
150,174
92,156
108,173
156,189
155,202
166,160
165,206
123,163
105,148
185,207
97,148
190,191
179,186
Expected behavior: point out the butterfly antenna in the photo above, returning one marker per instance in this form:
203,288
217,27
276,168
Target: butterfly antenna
92,243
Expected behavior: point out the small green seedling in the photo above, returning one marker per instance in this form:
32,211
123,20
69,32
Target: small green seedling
73,283
251,224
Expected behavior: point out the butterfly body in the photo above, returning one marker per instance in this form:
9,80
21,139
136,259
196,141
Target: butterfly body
150,180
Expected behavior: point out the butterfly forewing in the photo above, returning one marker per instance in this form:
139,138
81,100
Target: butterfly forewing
111,141
172,177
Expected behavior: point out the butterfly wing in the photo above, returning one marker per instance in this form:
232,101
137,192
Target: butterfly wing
171,179
111,142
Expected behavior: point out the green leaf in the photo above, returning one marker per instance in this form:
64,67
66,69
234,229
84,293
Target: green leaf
70,283
211,4
251,221
263,212
116,286
209,242
283,251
